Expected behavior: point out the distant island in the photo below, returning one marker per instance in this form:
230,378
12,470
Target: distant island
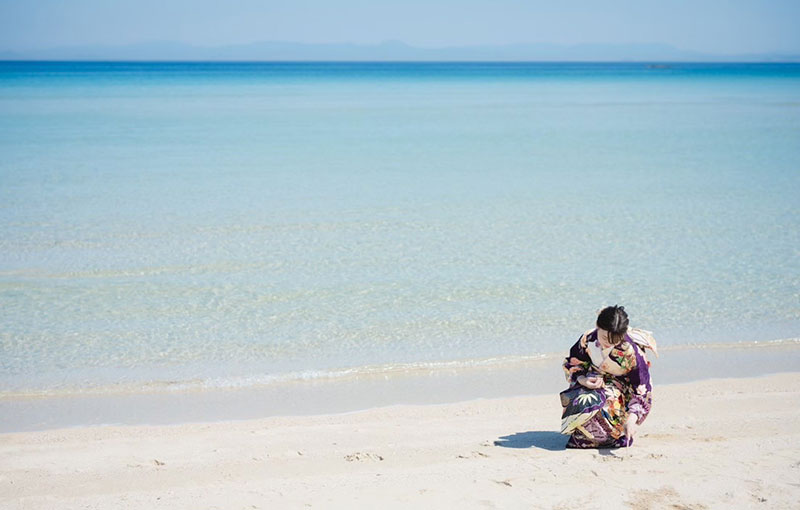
386,51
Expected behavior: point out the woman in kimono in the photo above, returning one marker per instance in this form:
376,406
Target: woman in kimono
610,392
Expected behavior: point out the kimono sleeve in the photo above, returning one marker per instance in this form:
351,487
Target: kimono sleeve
640,391
578,362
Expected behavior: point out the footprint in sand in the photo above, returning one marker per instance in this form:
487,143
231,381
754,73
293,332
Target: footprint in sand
472,455
606,457
360,456
661,436
665,497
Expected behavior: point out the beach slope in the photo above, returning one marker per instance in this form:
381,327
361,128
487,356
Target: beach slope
723,443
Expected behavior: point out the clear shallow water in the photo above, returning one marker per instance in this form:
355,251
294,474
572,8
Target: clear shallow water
185,222
365,389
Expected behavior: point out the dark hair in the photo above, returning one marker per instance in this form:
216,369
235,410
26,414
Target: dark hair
614,320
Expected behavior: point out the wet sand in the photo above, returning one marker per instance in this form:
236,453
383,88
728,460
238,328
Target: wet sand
503,377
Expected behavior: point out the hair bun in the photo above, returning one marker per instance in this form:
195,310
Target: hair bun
613,319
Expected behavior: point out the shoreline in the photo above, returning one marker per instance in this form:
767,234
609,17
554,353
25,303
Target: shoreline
334,374
716,443
368,390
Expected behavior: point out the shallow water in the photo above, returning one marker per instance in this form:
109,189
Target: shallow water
220,223
364,389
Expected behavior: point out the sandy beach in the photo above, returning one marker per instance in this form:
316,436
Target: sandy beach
719,443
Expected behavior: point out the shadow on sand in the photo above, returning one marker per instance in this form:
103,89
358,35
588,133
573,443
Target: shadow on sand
545,439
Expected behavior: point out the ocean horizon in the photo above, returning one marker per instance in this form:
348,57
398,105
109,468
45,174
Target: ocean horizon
203,224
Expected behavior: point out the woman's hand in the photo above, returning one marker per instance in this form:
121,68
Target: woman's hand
592,382
631,427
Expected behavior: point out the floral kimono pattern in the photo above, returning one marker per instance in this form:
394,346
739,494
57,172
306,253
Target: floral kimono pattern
595,418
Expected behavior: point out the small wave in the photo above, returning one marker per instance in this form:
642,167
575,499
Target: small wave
260,380
386,370
751,344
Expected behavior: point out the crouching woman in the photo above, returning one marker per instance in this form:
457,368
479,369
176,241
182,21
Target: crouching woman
609,376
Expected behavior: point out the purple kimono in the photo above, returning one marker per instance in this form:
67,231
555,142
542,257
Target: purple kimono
595,418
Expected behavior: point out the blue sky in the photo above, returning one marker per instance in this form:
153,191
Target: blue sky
711,26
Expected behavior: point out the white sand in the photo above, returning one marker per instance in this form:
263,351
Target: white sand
730,443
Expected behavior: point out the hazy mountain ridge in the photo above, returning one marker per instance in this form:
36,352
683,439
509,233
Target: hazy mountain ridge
385,51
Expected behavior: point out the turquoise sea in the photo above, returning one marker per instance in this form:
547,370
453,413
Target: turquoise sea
234,224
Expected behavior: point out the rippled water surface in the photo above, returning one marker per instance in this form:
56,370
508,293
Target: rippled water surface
238,222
